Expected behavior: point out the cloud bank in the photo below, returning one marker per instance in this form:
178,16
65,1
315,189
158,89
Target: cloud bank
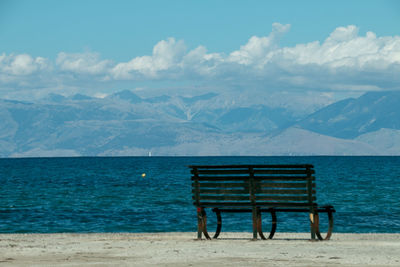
343,61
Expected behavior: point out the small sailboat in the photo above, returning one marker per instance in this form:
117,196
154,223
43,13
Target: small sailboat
149,153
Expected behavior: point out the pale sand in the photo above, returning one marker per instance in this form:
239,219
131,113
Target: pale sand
181,249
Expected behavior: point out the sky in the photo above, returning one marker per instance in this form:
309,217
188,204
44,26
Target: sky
335,48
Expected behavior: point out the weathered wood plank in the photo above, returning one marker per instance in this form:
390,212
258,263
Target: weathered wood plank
294,166
231,171
224,197
278,191
276,209
257,185
256,198
283,191
282,198
222,191
272,171
283,178
283,185
213,204
256,178
256,171
222,178
221,185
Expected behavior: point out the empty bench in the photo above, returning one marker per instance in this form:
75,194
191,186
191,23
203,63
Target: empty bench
257,189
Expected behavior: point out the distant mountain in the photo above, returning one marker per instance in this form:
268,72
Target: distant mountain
80,97
158,99
296,141
353,117
54,98
255,119
209,124
386,141
205,97
127,96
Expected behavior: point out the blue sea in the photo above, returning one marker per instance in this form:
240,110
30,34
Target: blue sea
110,194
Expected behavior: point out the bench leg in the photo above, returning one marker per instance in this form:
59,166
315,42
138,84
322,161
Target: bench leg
255,212
259,224
314,223
202,223
204,215
199,223
273,226
330,228
219,222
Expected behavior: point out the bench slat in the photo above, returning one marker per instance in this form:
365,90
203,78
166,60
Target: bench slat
256,178
284,178
300,209
284,185
257,198
283,191
259,191
224,197
246,185
256,171
260,204
284,198
220,178
276,166
232,171
221,185
222,191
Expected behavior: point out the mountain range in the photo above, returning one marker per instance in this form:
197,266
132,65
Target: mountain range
124,124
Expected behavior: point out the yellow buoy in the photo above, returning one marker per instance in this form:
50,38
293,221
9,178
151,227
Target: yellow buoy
143,175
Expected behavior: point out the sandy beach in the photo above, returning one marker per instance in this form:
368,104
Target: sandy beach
181,249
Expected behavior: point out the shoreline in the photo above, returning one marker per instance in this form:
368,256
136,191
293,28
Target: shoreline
182,249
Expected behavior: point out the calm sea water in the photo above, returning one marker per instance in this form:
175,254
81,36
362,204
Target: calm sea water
49,195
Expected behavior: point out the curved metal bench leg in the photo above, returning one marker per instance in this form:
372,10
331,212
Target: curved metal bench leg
273,226
204,223
219,222
259,225
330,228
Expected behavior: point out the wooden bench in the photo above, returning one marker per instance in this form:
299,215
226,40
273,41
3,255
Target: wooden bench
257,189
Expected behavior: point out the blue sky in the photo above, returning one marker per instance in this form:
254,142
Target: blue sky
121,30
97,47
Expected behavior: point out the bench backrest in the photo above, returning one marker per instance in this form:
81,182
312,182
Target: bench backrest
253,185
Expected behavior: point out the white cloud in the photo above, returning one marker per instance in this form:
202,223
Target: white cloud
197,62
344,48
21,65
167,55
343,34
21,71
343,61
257,48
84,63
